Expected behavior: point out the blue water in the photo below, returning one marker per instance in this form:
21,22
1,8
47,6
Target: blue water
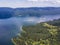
10,27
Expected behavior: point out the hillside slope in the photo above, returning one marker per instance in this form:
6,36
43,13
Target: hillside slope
39,34
6,12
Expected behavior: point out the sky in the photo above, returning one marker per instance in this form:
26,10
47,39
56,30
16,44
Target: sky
29,3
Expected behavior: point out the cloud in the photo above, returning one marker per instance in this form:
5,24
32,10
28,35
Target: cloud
32,0
29,3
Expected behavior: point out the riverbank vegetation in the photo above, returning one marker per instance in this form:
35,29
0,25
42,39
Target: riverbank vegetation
46,33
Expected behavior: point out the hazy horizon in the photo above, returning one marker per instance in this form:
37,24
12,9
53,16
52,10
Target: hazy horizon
29,3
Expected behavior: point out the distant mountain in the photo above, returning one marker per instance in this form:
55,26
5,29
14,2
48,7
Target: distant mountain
6,12
35,11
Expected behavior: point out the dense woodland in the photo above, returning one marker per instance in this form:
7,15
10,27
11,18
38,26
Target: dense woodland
45,33
6,12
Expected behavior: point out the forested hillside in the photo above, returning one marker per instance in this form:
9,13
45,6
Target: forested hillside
55,22
46,33
6,12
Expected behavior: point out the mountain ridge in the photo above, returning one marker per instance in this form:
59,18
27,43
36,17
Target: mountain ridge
7,12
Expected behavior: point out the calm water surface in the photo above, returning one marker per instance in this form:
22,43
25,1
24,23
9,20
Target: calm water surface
10,28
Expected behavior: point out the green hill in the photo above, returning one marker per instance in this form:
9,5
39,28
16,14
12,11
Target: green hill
40,34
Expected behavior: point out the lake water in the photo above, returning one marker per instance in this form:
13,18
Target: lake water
10,28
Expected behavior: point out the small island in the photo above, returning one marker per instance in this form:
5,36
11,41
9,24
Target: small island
45,33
